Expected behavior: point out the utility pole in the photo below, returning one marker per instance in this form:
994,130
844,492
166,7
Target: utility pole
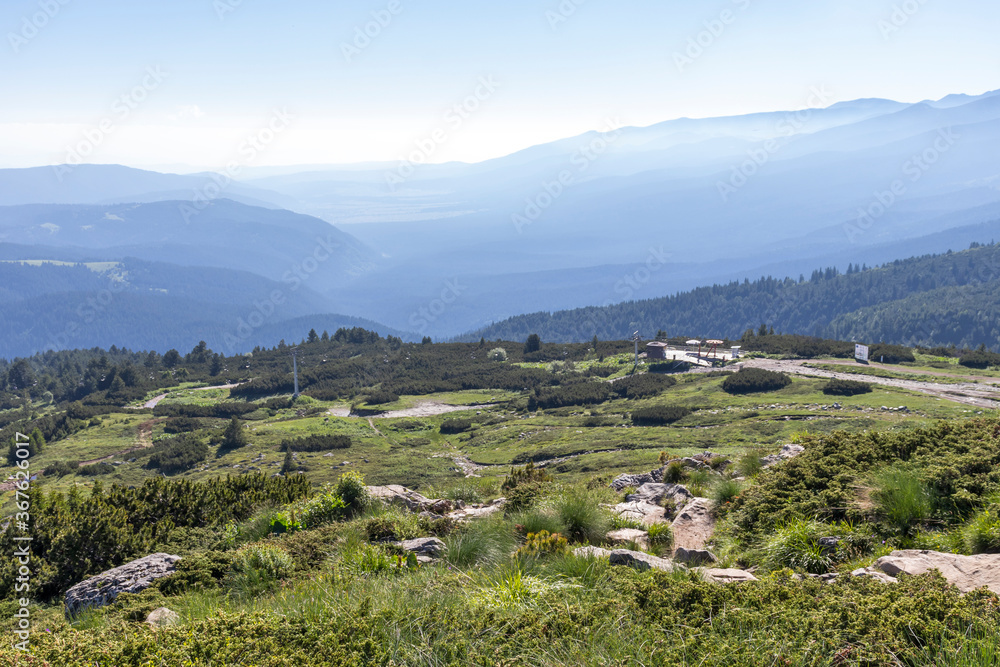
636,338
295,371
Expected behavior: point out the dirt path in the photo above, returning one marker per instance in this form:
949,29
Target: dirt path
421,409
144,440
153,402
904,369
371,423
980,396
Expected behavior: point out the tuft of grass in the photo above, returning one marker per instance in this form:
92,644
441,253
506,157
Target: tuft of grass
725,491
796,545
901,498
982,533
750,464
581,513
485,542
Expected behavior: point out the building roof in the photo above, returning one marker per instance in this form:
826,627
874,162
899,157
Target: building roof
655,343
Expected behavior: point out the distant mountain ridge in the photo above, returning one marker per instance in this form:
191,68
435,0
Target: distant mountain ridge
946,299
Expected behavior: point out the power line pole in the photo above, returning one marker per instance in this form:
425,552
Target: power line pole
295,371
636,338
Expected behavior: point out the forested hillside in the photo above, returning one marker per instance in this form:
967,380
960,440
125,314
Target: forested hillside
931,300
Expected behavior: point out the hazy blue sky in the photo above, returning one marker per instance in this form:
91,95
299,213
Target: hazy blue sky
228,64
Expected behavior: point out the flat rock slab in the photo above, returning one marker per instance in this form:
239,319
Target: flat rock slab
478,511
787,452
629,535
727,576
694,557
394,494
641,561
162,617
427,546
132,577
966,573
591,552
657,494
645,513
694,525
624,481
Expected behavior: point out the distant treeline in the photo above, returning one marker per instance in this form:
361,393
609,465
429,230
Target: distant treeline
950,299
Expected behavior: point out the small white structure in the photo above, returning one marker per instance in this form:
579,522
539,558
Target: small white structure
861,352
736,352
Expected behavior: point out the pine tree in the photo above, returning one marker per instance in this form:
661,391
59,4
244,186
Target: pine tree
289,464
234,435
313,336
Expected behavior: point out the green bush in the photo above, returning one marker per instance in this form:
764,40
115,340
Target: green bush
381,397
642,386
95,469
526,475
982,533
659,415
754,380
525,496
315,443
497,354
846,388
177,454
453,426
352,490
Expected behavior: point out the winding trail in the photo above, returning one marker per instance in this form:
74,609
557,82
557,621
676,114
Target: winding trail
978,395
421,409
153,402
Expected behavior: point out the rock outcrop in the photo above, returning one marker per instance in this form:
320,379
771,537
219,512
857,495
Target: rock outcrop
658,494
694,525
629,536
727,576
591,552
641,561
133,577
162,617
787,452
695,557
966,573
427,549
394,494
